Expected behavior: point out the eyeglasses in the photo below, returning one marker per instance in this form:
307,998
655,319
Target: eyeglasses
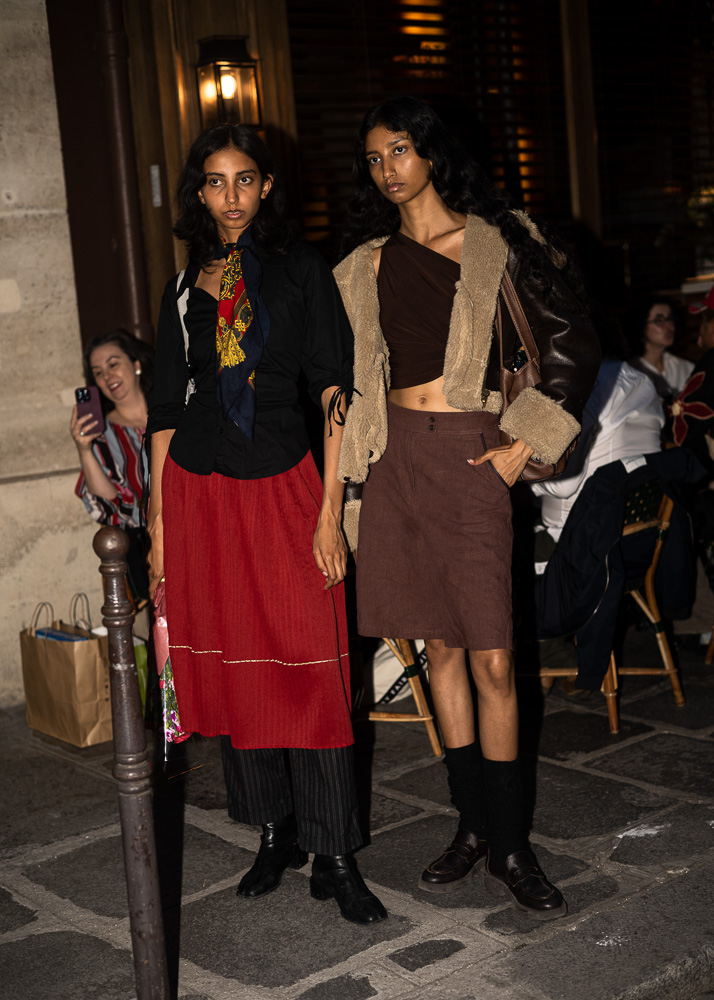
661,318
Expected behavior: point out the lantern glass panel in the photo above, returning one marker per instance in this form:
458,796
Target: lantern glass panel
208,95
228,84
240,94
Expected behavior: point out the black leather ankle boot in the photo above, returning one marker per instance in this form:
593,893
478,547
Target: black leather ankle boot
279,849
337,877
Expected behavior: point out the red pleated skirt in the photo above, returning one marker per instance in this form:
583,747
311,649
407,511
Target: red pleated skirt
258,647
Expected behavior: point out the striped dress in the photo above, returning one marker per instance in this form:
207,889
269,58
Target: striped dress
118,451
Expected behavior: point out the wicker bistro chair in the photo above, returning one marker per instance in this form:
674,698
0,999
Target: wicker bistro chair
709,655
646,508
403,651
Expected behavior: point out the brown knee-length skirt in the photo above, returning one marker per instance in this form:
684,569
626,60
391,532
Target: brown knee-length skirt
435,534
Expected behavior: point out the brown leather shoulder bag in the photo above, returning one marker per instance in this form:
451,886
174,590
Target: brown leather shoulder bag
522,371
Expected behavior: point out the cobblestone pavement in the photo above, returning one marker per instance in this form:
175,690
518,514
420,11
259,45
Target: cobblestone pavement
624,825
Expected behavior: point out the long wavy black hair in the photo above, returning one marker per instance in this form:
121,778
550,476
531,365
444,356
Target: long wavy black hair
457,179
137,350
194,223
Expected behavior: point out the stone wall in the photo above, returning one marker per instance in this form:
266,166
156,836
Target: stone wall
46,534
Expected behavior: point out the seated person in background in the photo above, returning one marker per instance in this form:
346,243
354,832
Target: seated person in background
652,323
110,483
582,578
623,419
581,588
692,414
693,408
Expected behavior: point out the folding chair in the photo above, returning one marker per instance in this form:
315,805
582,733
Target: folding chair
646,508
403,651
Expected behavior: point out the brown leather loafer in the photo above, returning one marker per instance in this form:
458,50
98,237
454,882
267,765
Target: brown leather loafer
456,865
521,878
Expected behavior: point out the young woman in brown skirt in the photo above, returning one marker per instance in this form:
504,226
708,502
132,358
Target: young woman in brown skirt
433,240
248,538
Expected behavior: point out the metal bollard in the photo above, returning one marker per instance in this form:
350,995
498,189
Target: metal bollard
132,771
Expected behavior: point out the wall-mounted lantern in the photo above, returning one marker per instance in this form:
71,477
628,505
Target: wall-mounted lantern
227,82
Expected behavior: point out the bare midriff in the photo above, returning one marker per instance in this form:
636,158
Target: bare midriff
429,396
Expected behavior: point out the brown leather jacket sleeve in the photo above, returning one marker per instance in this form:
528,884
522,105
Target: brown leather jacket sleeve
567,343
547,416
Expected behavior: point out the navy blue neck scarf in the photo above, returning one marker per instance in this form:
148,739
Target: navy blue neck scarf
242,328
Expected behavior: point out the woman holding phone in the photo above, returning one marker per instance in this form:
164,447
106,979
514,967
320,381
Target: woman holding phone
248,538
433,241
109,443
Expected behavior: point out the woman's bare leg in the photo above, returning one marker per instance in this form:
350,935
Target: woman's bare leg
493,674
451,691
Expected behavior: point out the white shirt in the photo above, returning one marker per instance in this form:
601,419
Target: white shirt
676,370
623,419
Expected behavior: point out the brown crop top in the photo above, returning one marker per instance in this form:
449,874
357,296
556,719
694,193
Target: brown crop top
416,288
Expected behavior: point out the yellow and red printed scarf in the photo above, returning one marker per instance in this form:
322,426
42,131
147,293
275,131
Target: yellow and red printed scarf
242,329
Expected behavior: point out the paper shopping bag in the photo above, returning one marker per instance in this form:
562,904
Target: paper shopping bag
67,683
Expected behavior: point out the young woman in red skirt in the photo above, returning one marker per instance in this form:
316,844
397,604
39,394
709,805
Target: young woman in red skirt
249,540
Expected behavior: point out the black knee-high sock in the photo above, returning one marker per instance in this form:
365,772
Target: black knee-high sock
463,765
506,813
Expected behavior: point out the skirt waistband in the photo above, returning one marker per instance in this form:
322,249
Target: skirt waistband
453,423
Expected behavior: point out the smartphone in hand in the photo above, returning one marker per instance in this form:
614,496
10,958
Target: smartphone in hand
89,401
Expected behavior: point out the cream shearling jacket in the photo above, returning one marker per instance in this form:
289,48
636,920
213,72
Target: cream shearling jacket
546,417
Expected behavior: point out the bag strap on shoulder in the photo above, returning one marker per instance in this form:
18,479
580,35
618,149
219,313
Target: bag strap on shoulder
182,306
515,309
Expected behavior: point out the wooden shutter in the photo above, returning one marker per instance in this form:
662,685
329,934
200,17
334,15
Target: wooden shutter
493,70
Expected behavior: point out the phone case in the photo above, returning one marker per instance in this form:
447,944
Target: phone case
89,401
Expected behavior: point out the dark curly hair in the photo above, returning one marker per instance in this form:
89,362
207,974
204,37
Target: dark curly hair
457,179
137,350
638,315
194,224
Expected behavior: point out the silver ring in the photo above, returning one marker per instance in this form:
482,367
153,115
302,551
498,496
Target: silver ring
81,434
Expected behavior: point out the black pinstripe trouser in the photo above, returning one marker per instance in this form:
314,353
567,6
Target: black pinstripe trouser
317,785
